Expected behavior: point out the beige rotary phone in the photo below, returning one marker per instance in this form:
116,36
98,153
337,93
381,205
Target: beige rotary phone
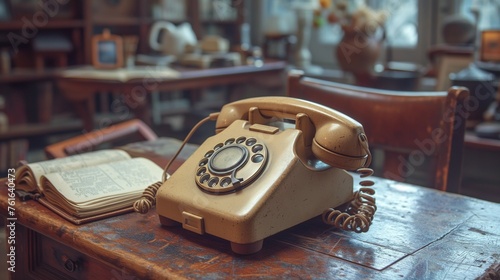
256,177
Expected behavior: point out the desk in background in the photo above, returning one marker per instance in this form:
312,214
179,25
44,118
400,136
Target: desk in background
80,91
417,233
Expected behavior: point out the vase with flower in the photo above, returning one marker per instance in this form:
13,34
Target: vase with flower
363,35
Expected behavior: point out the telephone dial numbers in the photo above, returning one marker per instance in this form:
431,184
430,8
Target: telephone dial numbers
231,164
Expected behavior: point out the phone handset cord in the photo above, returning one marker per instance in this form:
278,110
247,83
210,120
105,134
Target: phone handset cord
148,198
358,214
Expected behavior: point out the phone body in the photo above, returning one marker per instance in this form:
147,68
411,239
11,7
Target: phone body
273,163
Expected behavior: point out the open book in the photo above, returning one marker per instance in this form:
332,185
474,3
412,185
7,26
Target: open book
89,186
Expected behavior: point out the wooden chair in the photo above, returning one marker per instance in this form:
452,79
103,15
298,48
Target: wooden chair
410,132
91,140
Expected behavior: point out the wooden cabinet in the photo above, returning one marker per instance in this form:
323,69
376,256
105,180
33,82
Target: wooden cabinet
76,21
224,18
44,258
79,20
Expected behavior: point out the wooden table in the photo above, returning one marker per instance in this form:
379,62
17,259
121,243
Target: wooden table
80,91
417,233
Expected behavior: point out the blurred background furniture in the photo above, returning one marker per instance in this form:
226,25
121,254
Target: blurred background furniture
441,58
80,91
396,75
279,46
421,134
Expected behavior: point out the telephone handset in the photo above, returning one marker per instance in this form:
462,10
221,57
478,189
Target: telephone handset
335,138
256,177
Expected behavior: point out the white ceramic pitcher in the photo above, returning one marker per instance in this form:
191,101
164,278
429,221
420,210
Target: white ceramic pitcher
174,39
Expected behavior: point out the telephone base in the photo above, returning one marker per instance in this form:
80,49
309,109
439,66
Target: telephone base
164,221
238,248
246,249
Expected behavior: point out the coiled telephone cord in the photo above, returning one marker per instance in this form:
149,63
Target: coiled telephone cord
148,198
358,215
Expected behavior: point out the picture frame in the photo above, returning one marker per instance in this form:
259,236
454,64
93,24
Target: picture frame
490,46
107,51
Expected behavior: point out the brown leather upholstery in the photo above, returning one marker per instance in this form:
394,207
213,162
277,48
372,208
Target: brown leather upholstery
416,131
89,141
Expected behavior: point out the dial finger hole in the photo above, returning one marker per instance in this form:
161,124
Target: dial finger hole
257,148
240,140
204,179
218,146
209,153
251,141
203,162
225,182
213,182
257,158
229,141
201,171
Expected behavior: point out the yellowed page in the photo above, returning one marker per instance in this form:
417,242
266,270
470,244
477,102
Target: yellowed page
74,162
108,186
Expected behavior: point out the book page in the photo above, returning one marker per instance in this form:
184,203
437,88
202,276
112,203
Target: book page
103,183
75,161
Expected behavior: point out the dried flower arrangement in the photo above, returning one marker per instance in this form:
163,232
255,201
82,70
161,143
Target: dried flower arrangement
350,15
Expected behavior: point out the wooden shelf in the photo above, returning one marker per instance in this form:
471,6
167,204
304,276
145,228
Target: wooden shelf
60,124
219,21
52,24
38,129
129,21
27,75
126,21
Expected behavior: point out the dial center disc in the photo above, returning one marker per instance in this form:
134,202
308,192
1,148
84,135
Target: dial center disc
227,159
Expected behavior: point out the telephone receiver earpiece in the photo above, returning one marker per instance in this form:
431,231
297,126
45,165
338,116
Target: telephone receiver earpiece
333,137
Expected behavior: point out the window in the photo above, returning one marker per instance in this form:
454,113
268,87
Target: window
488,12
402,28
413,26
402,22
401,25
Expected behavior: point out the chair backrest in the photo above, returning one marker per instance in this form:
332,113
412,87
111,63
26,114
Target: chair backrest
414,131
89,141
